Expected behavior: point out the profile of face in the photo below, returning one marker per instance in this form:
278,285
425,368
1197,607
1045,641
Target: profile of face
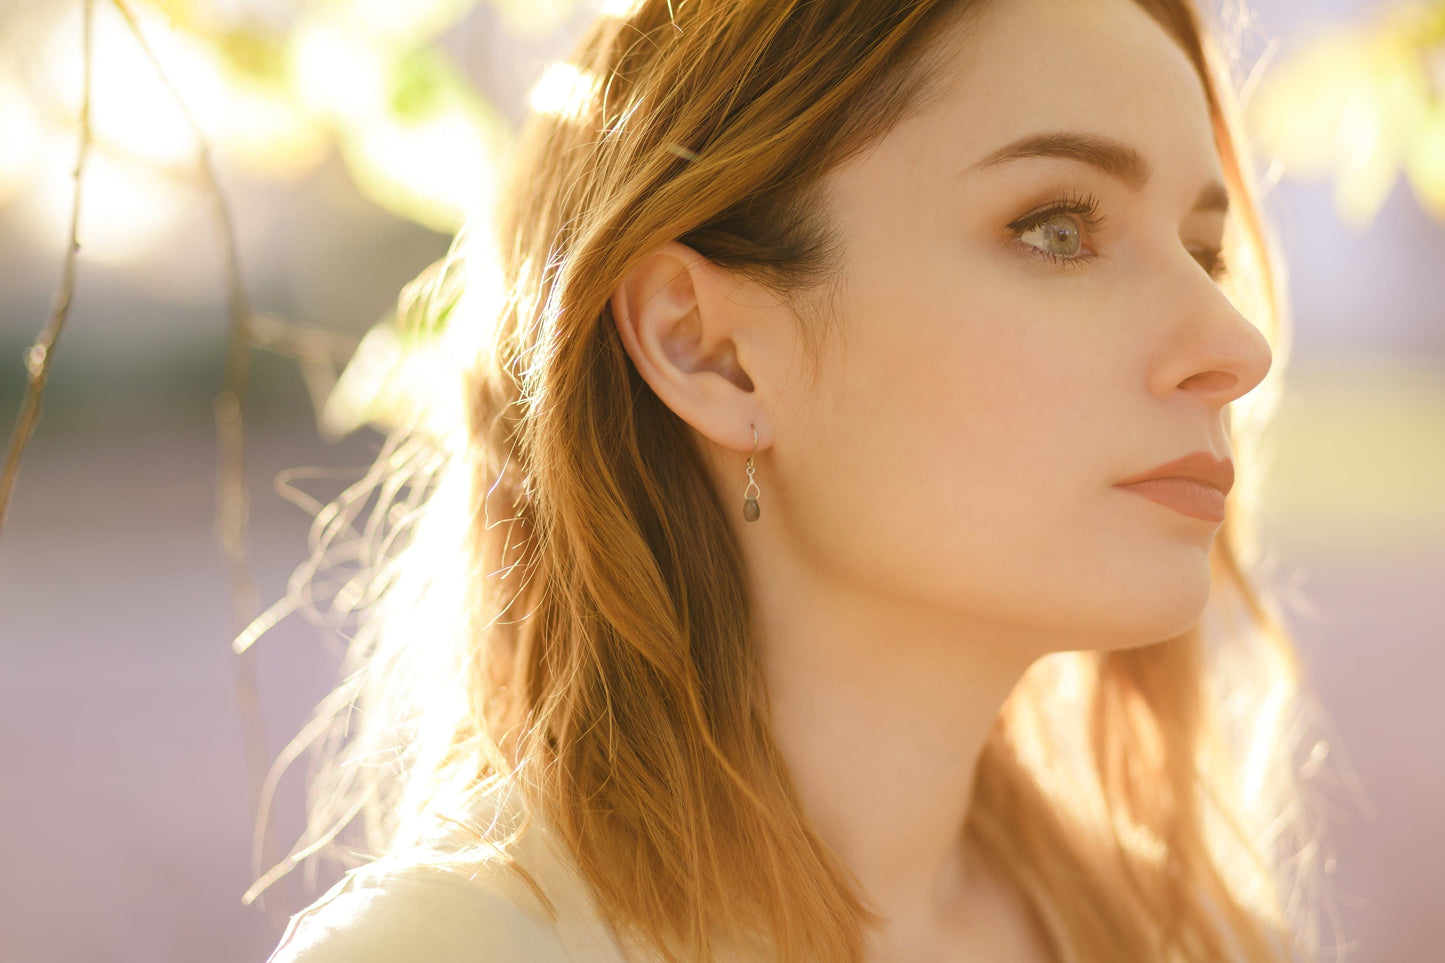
1016,335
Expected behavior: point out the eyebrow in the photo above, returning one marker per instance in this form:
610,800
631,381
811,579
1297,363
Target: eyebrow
1115,158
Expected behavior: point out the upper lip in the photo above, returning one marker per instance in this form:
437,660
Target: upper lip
1198,465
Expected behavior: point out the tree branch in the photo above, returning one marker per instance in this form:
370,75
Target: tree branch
231,492
40,355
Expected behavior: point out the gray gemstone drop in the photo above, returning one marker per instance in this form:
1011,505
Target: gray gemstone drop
750,509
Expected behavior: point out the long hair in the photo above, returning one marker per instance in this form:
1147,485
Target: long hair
562,609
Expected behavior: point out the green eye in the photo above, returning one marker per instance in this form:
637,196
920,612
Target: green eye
1059,235
1057,230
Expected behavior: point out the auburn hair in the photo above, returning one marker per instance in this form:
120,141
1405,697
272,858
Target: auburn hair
559,604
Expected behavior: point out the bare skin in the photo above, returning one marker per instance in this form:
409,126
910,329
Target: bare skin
938,509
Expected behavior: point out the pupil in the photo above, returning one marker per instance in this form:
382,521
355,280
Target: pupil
1066,234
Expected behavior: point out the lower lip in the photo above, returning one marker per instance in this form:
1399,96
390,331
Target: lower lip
1184,495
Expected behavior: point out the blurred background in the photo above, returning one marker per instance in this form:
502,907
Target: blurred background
352,138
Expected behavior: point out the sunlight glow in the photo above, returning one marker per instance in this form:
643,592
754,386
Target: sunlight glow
621,9
339,73
411,22
131,111
437,171
564,91
1358,104
144,162
266,133
536,18
128,210
21,144
1425,162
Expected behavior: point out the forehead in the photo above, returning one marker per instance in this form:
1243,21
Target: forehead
1102,67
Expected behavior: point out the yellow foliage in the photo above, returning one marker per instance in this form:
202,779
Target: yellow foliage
1359,104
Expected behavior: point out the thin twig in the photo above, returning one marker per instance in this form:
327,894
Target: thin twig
231,493
40,355
319,353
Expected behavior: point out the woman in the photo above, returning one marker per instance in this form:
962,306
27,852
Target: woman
839,561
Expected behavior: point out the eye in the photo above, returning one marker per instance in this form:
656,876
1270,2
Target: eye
1057,230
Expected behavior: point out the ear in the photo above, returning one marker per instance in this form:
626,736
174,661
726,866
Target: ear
705,341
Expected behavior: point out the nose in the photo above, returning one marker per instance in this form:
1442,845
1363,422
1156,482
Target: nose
1214,353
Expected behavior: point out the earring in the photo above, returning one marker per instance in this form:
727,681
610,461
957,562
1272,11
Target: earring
751,493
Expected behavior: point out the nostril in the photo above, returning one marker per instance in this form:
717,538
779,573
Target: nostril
1212,381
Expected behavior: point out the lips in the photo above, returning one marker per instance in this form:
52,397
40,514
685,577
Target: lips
1200,466
1194,485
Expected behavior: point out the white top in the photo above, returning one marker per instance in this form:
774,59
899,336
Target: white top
390,912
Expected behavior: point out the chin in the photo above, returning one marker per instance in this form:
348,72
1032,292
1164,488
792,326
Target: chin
1151,608
1168,615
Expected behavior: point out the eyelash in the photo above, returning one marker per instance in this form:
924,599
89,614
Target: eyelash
1086,207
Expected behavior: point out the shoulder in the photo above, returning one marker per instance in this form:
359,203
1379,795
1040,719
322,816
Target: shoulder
387,914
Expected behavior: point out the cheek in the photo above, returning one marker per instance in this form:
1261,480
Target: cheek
961,452
1002,391
971,419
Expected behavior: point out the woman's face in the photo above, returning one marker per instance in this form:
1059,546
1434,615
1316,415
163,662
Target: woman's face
1020,334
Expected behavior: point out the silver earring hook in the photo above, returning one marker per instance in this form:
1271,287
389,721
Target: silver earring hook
751,493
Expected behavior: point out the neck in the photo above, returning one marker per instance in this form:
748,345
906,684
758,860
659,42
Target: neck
882,720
